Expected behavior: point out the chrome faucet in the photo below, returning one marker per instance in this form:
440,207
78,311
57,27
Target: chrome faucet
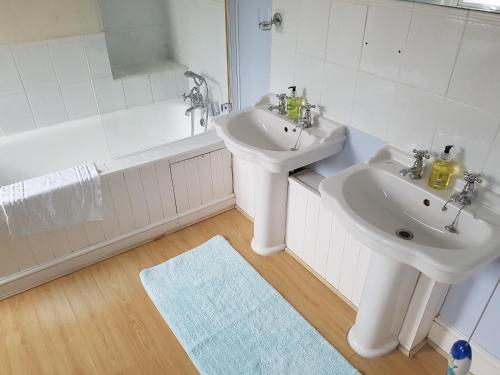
196,98
307,120
464,198
281,107
417,170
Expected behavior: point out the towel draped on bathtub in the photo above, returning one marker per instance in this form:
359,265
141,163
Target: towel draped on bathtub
70,196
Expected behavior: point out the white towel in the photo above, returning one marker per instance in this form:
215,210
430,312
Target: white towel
71,196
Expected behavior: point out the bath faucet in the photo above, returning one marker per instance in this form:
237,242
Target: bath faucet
196,97
417,170
307,120
464,198
281,107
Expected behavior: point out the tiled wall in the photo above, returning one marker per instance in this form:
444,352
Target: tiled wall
50,82
136,33
411,74
197,39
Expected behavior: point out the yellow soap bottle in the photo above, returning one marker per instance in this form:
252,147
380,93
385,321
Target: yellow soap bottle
294,104
442,170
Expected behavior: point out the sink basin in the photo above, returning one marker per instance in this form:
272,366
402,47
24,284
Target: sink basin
277,146
376,203
269,140
402,221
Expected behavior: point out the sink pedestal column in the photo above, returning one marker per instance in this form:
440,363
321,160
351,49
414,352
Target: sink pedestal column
270,212
386,295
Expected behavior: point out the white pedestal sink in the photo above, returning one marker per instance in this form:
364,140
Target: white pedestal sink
269,141
402,221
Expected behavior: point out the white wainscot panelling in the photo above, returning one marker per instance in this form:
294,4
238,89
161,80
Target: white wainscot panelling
152,197
316,235
244,185
385,38
194,187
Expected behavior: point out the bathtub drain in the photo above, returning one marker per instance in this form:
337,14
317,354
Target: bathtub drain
404,234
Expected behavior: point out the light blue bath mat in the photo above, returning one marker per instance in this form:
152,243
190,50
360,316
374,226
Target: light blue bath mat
231,321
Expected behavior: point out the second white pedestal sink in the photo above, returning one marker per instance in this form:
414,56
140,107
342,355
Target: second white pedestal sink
403,222
277,146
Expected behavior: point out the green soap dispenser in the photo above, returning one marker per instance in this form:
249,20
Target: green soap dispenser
442,170
294,104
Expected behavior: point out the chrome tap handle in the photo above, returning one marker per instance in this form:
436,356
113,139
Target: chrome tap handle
472,177
421,154
308,107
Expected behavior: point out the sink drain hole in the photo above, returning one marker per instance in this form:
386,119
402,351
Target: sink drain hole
404,234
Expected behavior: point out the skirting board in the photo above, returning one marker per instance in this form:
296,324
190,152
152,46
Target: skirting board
442,337
49,271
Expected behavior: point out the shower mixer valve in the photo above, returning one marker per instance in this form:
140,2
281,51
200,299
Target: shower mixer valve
196,98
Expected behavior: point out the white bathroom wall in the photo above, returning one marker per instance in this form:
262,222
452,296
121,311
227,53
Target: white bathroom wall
413,75
49,82
197,39
32,20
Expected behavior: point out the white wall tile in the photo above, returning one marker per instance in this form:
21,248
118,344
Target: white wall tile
163,85
15,114
337,93
48,106
181,83
373,104
109,94
414,118
345,34
308,78
80,100
282,69
385,37
431,50
472,129
476,79
491,171
137,91
10,82
70,62
313,27
97,55
286,35
35,65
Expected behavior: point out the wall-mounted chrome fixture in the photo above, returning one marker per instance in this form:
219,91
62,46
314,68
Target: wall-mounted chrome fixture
197,100
276,20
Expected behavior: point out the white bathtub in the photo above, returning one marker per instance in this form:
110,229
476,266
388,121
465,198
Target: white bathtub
99,138
152,183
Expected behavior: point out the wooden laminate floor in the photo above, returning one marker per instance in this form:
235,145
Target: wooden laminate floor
100,320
